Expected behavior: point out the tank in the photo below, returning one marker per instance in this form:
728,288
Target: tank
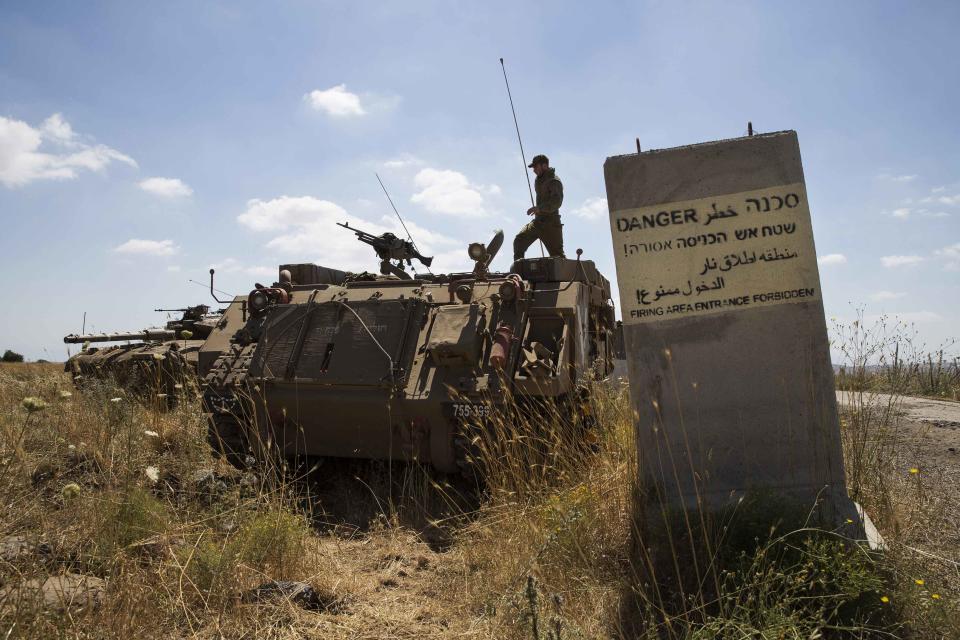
153,362
394,366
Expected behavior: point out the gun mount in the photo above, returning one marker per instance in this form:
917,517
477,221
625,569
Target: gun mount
389,248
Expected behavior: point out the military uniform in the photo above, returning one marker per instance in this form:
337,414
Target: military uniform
546,225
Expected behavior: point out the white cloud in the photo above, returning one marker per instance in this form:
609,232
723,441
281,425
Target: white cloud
918,316
592,209
832,259
949,200
900,261
336,101
403,161
307,231
147,247
881,296
446,191
904,213
907,317
951,251
22,161
951,254
232,265
286,211
56,128
166,187
227,265
897,178
262,272
938,190
174,268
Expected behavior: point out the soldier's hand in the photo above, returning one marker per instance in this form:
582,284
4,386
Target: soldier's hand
531,211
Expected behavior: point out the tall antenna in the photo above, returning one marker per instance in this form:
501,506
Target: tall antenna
523,156
399,217
204,285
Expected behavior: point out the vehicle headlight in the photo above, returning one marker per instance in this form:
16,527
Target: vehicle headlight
476,251
258,301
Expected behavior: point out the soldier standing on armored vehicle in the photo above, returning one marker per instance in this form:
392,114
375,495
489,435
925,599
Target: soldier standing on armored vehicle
546,225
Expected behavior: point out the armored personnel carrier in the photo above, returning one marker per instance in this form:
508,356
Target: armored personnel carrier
392,366
153,361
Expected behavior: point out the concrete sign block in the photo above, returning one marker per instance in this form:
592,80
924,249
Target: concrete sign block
726,340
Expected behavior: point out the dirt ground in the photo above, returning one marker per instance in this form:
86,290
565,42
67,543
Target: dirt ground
929,429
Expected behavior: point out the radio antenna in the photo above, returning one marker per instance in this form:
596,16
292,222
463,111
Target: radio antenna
523,156
399,217
205,286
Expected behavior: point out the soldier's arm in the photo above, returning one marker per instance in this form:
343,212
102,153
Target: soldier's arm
554,198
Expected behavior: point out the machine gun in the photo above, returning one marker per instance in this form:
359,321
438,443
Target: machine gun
389,247
193,313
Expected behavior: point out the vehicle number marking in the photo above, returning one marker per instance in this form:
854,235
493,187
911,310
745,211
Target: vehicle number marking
465,410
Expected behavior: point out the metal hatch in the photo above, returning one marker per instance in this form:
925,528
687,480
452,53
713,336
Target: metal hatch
341,343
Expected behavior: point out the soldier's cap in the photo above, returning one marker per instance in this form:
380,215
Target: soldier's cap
538,159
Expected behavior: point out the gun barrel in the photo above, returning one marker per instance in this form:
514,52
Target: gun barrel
147,335
363,236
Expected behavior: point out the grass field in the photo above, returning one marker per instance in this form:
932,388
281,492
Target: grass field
100,486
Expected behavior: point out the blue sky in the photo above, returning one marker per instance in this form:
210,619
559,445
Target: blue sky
141,143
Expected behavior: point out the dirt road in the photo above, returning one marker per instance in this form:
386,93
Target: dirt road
940,413
928,430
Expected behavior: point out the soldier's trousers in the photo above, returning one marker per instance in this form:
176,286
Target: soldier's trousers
547,229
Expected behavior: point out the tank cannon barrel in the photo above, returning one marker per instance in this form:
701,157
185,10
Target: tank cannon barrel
147,335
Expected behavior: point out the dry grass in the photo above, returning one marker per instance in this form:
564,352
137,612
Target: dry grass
887,356
548,550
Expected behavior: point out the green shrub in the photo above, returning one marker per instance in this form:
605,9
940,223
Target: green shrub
128,519
11,356
268,544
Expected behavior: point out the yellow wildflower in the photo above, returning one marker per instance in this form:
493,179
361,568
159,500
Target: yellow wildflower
914,470
70,491
919,581
935,596
884,599
33,404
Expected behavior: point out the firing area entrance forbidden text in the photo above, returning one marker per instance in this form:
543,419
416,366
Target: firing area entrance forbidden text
721,253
